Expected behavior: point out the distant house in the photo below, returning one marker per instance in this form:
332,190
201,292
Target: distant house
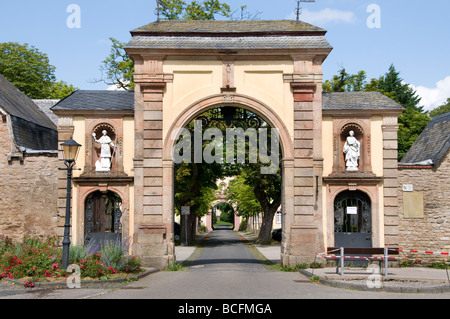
424,177
28,166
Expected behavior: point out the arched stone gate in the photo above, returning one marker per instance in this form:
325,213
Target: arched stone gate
272,68
237,219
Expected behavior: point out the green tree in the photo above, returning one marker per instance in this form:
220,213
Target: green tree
242,197
227,212
31,72
390,84
27,68
206,10
194,180
401,91
444,108
60,90
267,190
411,122
195,185
118,68
345,82
171,9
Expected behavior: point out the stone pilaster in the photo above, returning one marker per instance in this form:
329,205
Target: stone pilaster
65,132
151,228
390,181
306,238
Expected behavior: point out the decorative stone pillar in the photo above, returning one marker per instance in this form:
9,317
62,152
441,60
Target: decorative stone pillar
306,233
151,224
390,181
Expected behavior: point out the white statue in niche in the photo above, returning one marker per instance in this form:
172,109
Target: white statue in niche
105,155
352,149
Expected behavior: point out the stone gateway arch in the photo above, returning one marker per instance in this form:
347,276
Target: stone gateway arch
271,68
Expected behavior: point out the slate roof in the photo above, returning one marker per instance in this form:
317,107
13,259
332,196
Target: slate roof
432,144
358,101
228,27
227,43
228,35
105,100
16,103
90,100
45,105
32,129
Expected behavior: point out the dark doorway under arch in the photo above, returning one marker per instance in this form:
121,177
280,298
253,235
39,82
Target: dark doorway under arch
102,219
352,219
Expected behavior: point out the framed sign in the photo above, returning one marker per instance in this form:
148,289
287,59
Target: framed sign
352,210
185,210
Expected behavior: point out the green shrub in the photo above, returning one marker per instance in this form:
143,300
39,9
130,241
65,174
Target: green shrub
40,257
92,267
174,266
439,265
77,253
131,265
112,254
243,225
290,268
5,244
315,265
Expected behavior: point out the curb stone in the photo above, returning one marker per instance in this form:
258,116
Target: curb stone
358,285
84,283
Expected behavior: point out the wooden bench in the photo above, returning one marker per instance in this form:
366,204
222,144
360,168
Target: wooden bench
361,254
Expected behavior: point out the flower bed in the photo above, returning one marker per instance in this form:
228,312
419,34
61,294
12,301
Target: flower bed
39,260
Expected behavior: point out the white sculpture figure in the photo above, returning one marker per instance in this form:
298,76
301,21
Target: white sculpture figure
352,152
105,155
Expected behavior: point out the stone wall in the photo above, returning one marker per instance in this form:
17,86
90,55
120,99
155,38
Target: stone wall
427,226
28,186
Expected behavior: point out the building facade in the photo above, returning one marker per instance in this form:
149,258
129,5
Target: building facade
424,173
339,151
28,162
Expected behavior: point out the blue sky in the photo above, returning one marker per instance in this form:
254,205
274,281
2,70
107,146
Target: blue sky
413,35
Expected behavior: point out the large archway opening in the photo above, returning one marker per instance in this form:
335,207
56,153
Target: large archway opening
222,215
267,186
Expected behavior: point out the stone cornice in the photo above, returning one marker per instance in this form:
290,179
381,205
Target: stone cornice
354,178
303,92
94,113
360,113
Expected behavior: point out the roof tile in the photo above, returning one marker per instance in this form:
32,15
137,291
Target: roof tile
432,144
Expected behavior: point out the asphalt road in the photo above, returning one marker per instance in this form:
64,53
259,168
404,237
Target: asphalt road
225,270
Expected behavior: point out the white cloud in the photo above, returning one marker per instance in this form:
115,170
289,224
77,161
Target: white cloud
115,87
325,16
434,97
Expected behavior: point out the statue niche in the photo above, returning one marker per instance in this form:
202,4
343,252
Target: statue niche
104,147
351,139
352,151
